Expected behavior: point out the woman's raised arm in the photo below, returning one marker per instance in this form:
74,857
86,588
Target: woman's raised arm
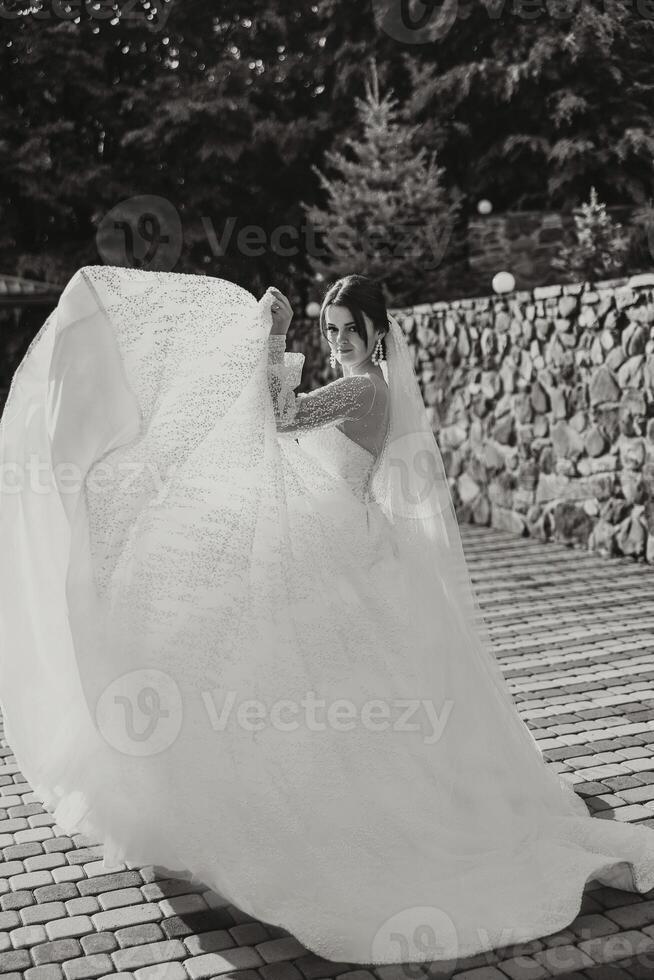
344,399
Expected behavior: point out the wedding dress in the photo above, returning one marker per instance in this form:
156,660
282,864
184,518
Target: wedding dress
238,642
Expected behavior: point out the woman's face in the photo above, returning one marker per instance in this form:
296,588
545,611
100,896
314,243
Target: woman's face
341,332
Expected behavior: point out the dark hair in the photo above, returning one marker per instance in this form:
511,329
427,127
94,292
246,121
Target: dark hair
359,295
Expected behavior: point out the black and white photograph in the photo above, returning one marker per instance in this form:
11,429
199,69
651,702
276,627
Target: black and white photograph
327,490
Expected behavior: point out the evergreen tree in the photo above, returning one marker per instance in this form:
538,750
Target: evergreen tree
601,246
529,102
387,213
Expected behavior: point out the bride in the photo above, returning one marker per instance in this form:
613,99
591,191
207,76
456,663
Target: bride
239,634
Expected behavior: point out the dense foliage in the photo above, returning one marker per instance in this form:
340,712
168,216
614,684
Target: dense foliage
157,132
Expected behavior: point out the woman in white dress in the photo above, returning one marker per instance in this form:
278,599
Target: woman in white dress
239,635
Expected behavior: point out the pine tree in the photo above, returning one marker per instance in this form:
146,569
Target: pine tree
387,214
528,104
601,247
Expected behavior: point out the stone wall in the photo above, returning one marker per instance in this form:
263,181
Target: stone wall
543,406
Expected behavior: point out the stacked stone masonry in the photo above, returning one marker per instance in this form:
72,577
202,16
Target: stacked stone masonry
543,406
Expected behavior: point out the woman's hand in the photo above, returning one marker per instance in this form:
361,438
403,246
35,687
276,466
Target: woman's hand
281,310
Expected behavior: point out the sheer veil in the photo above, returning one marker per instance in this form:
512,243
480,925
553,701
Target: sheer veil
411,486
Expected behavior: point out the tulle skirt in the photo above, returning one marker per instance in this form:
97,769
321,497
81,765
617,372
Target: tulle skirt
213,658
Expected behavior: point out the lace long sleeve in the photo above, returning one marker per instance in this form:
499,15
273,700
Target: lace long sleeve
340,400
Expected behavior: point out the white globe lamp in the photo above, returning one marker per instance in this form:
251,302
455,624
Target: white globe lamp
503,282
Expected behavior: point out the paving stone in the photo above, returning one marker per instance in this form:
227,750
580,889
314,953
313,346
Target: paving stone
12,868
33,834
82,906
9,920
204,920
76,925
98,942
18,852
122,897
43,913
16,900
481,973
68,872
558,959
105,883
286,971
58,844
58,892
524,968
633,916
50,972
128,916
27,936
607,949
181,904
87,966
41,861
140,935
16,959
614,971
590,926
31,879
241,975
215,964
639,794
211,942
166,888
57,951
249,934
167,971
139,956
280,949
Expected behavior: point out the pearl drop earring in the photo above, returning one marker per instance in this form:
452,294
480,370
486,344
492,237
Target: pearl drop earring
332,358
378,353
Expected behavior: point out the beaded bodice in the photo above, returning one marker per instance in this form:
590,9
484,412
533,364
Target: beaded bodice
340,456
